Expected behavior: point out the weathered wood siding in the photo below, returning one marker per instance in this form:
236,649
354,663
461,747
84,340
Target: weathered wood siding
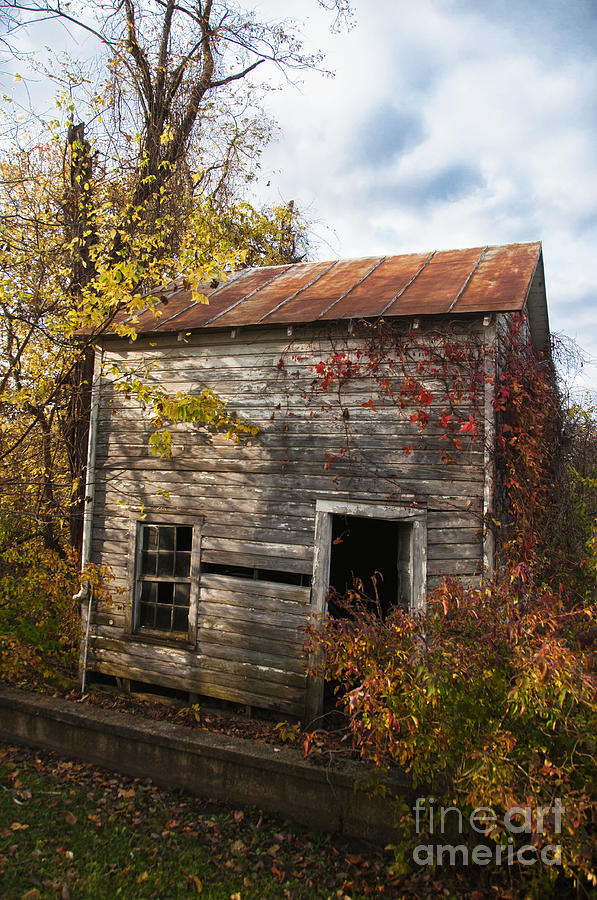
256,499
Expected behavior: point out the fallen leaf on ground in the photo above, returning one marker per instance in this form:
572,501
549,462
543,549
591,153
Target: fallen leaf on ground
196,881
237,847
126,795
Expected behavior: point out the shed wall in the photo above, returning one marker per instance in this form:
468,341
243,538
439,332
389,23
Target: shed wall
256,499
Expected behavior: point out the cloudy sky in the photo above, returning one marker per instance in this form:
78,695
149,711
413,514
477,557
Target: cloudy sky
452,124
449,123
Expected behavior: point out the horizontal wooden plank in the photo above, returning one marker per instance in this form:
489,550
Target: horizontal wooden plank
256,654
219,642
463,510
252,560
273,404
402,445
445,567
253,670
206,687
210,609
452,519
219,645
271,528
117,558
261,388
274,608
232,665
454,536
286,550
282,533
357,464
313,477
225,628
312,428
116,549
276,459
467,580
246,355
278,554
289,486
179,658
443,503
200,676
284,358
212,500
132,419
452,551
261,589
108,617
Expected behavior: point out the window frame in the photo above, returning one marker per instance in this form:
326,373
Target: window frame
159,517
407,515
324,510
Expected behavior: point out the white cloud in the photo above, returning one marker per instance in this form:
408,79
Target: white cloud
499,127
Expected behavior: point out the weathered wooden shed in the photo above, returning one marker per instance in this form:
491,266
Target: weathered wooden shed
372,383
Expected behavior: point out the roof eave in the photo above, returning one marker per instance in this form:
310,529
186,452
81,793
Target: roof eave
536,308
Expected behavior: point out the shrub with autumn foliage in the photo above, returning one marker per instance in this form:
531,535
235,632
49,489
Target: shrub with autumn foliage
490,700
39,620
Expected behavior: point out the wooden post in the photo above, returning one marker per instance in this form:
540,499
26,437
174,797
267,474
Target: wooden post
319,589
490,371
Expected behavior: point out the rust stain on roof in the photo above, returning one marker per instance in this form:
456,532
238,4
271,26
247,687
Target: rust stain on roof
478,279
502,279
312,303
371,296
290,284
438,283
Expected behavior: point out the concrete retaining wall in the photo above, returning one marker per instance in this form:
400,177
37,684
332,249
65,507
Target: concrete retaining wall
213,766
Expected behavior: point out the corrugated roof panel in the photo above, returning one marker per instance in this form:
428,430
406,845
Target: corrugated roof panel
254,309
236,291
319,295
434,290
173,305
378,289
502,280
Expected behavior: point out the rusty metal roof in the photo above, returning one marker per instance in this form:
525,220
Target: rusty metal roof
475,280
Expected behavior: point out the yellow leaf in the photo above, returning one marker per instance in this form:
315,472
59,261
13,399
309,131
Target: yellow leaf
196,882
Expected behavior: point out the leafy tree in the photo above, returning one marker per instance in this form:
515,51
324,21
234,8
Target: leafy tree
147,186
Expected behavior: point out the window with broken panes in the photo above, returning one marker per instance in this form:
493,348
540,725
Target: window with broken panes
165,578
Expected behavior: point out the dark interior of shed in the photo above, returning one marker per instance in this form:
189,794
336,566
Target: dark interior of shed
365,559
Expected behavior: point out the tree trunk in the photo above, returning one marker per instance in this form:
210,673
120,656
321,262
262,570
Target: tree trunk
80,228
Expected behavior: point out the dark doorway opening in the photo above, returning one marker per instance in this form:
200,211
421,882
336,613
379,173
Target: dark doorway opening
372,557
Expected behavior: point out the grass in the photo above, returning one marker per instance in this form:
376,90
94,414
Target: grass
72,830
